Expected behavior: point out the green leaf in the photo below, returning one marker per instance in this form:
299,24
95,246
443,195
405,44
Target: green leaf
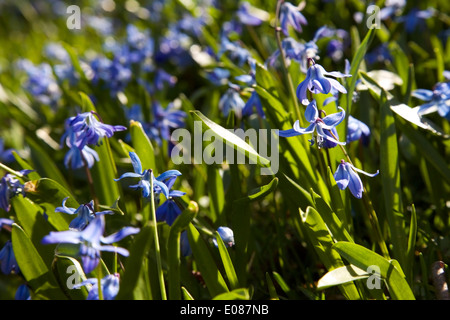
216,194
260,192
227,263
32,267
68,272
341,275
205,263
272,291
364,258
49,194
390,176
173,247
231,139
237,294
143,146
134,264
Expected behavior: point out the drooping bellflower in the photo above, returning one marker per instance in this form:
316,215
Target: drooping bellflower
85,214
11,186
346,176
321,126
231,100
227,236
290,15
169,210
91,241
357,130
8,262
318,81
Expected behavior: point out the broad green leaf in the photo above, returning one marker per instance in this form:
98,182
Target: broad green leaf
260,192
31,219
134,264
205,263
216,194
342,275
143,146
231,139
364,258
322,242
44,164
68,272
25,165
49,194
32,267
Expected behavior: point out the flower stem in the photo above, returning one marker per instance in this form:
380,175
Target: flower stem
8,169
91,185
156,238
99,281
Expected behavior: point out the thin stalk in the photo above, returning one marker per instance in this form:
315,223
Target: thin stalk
283,59
99,281
91,185
156,238
14,172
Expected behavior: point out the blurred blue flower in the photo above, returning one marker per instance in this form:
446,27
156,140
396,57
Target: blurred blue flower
290,15
234,50
391,8
227,236
110,287
317,81
321,126
379,54
91,241
5,222
346,176
218,76
357,130
8,261
254,102
415,18
22,293
6,156
85,214
112,74
41,83
167,119
246,16
231,100
438,100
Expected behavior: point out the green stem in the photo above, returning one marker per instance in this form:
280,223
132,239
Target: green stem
157,247
14,172
99,281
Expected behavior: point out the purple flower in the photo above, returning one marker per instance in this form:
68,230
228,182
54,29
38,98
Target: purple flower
346,176
438,100
91,241
10,186
254,102
290,15
110,287
321,126
167,119
85,214
317,81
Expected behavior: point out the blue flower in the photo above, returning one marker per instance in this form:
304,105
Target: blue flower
321,126
253,102
8,261
227,236
167,119
246,16
5,222
158,185
290,15
346,176
6,156
438,100
85,214
234,50
357,130
231,100
169,210
218,76
317,81
110,287
91,241
76,157
22,293
415,18
11,186
89,130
